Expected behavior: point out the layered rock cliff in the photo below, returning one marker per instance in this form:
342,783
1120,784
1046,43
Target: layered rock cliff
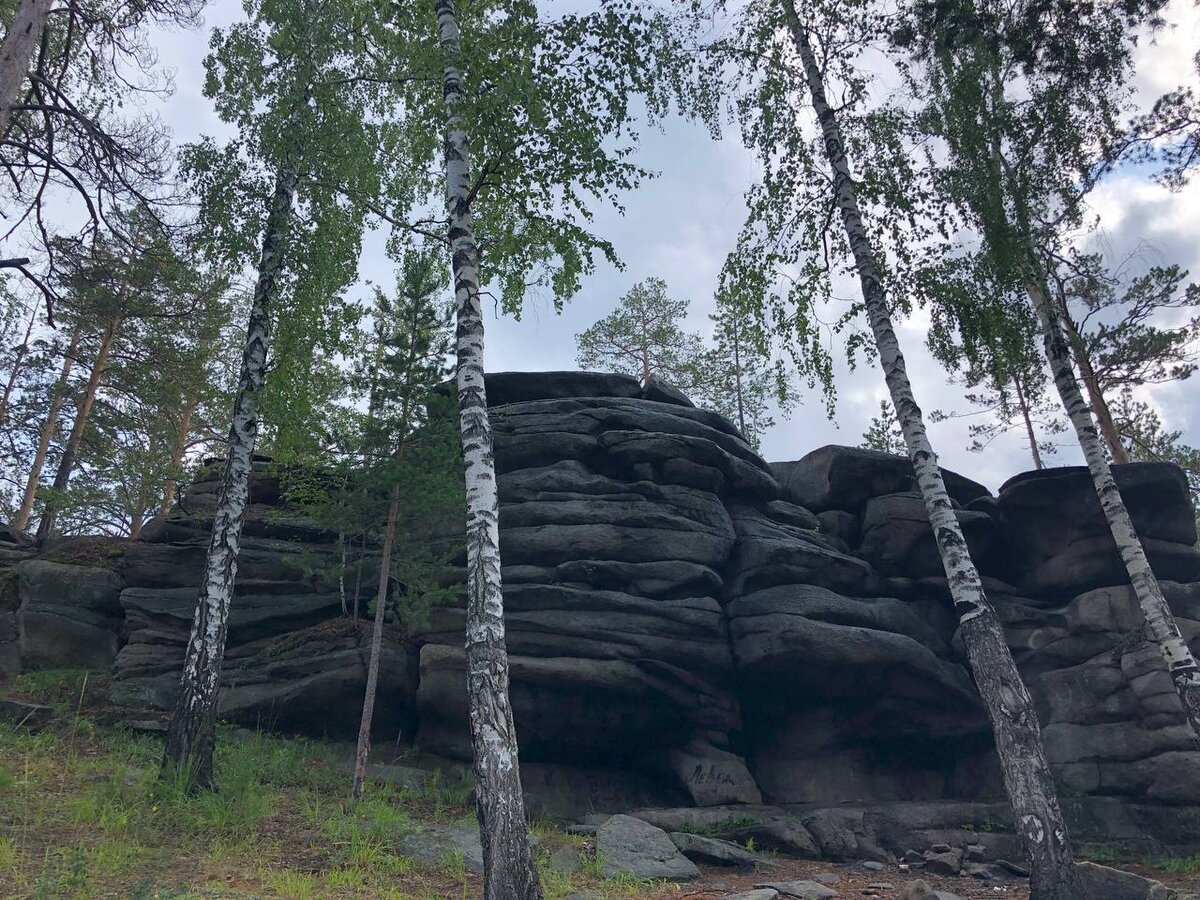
690,625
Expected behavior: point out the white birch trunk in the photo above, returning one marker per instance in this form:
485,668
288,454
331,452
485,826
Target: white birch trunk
509,871
191,735
1181,665
1027,778
21,522
1108,428
16,52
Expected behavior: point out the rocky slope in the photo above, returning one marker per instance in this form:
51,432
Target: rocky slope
690,626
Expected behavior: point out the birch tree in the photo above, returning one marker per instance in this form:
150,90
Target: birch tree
536,126
1018,169
304,145
783,52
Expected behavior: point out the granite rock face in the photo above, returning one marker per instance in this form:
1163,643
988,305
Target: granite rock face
689,626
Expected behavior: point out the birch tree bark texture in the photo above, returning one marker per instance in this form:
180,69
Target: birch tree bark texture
1027,779
509,871
1160,622
191,734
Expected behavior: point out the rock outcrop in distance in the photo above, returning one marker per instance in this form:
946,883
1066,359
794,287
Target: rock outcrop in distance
694,630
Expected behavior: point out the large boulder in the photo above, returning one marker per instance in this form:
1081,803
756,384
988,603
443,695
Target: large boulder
69,616
845,478
897,539
629,846
1059,542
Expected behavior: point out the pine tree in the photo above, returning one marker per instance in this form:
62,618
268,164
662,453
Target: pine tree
1114,328
737,375
884,433
644,337
416,344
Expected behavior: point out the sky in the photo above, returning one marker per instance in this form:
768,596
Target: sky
680,226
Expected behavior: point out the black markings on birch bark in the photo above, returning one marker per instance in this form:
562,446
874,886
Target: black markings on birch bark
191,734
1015,727
1181,664
509,871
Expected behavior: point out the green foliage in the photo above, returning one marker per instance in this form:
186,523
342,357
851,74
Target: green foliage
1147,440
644,337
1116,321
734,375
550,104
404,443
884,433
792,254
286,80
739,375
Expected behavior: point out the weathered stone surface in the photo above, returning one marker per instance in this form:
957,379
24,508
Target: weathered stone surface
1061,543
634,847
25,715
756,894
444,845
713,851
713,776
521,387
664,392
1113,884
846,478
770,827
897,540
688,625
69,616
801,889
565,861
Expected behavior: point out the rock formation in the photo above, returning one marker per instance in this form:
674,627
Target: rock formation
692,627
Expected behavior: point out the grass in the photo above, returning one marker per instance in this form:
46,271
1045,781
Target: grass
83,814
1179,865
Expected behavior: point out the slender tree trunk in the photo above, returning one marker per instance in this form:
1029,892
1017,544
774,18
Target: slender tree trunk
1033,447
509,872
66,465
136,518
1160,622
362,552
48,428
171,484
1027,778
737,374
22,351
368,710
1104,416
192,734
16,51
